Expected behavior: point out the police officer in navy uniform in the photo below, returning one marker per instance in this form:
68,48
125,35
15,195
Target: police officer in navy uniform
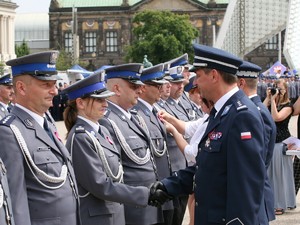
6,94
39,170
229,174
152,78
131,140
247,80
6,216
96,160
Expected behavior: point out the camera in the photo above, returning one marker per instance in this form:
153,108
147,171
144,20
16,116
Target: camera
273,90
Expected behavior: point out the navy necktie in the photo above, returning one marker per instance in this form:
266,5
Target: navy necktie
47,129
212,113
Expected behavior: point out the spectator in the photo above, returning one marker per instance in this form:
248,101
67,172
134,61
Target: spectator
280,170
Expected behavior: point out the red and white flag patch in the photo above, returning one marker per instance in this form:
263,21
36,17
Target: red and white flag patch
246,135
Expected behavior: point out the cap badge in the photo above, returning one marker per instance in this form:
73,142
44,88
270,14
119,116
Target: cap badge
53,57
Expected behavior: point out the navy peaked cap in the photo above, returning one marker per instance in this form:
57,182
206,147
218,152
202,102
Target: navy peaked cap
154,74
191,85
41,65
6,80
248,70
179,61
130,72
175,74
214,58
91,86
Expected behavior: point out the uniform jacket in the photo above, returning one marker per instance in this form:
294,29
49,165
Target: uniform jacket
158,135
178,160
102,204
3,111
230,167
5,211
134,174
193,111
270,136
33,203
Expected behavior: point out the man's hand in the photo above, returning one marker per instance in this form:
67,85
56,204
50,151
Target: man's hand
158,194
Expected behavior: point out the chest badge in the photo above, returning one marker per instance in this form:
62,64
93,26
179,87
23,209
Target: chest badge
207,142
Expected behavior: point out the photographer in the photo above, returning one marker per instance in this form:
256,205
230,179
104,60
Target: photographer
280,170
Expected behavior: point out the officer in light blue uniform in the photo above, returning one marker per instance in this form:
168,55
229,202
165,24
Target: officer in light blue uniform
184,99
6,94
229,174
191,89
96,160
247,80
174,106
131,140
152,78
39,170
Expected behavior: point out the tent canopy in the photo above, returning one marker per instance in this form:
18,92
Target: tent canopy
78,69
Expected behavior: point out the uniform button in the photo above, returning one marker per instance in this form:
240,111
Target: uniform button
199,149
197,167
223,219
196,203
195,186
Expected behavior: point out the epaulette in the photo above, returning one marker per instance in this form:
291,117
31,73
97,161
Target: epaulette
79,129
240,106
7,120
133,111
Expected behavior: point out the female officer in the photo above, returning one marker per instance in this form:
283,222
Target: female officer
96,161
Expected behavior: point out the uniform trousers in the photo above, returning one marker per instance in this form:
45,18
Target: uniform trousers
179,209
296,164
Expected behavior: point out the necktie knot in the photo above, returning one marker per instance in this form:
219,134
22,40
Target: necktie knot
212,113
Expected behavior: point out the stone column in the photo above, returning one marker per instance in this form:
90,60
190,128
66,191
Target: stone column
11,37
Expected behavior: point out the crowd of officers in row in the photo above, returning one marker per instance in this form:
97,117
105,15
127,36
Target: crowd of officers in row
104,173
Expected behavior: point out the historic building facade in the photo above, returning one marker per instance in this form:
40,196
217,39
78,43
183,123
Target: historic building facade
7,17
105,29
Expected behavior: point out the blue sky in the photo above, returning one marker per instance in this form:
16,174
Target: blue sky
32,6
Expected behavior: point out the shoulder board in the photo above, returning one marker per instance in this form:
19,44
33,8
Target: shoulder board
79,129
8,120
240,105
133,111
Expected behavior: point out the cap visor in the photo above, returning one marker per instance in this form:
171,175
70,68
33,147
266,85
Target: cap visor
104,94
193,69
138,82
52,77
162,81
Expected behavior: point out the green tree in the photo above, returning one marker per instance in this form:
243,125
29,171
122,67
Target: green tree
2,68
22,49
162,35
64,60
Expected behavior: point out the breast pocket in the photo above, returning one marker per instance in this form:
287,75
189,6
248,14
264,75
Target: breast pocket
46,161
137,145
212,146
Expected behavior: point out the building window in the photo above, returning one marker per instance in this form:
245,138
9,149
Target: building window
272,43
68,42
111,41
90,42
